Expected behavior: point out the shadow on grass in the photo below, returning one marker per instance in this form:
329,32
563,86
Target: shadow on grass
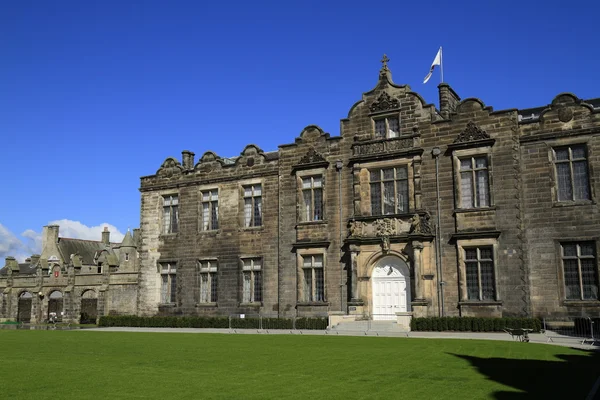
570,377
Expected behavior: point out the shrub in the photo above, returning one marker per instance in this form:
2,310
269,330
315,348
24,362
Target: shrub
473,324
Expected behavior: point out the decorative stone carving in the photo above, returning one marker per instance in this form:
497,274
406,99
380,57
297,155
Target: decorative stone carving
312,157
357,228
385,226
471,133
169,168
420,224
384,102
565,114
381,147
385,244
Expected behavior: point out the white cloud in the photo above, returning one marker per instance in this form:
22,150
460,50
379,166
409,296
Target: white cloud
30,241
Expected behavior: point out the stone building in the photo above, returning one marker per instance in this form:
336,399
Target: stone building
76,279
412,210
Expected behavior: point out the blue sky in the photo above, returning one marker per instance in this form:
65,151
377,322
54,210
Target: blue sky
95,94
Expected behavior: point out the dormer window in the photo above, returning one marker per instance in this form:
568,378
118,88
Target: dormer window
387,127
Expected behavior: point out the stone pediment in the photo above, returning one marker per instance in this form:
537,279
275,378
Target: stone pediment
393,226
312,157
384,102
471,133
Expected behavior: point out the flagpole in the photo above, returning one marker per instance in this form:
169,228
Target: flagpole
442,64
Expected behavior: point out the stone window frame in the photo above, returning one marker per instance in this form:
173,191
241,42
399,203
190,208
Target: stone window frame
164,229
303,174
385,117
242,217
461,245
301,254
201,191
171,288
251,270
461,154
576,142
364,184
209,267
561,271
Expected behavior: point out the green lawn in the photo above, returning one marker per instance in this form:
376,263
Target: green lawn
95,365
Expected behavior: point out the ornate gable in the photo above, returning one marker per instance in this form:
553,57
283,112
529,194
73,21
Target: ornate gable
471,133
384,102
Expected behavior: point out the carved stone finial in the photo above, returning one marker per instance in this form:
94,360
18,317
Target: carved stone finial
471,133
384,102
384,61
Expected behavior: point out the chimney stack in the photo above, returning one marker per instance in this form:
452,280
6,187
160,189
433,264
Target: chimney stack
106,236
187,159
448,100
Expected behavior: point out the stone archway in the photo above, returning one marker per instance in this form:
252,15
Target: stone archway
89,307
55,304
24,307
391,288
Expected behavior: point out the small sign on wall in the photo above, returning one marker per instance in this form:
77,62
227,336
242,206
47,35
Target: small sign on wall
242,316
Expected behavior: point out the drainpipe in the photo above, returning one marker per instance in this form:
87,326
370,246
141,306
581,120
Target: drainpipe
338,167
435,152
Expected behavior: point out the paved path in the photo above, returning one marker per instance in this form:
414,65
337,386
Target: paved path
534,337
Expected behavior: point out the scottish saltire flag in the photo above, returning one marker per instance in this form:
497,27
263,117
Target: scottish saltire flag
436,61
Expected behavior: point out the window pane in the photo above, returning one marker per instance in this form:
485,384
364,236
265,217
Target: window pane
483,193
572,280
307,212
213,287
308,284
393,127
402,197
247,212
317,181
318,261
389,203
578,152
375,176
402,173
580,178
388,174
174,219
589,279
204,288
205,216
561,154
318,193
173,288
319,285
248,191
569,250
487,280
563,176
485,253
380,128
257,286
586,249
465,164
257,190
375,199
466,190
471,254
214,215
167,219
472,281
164,289
257,211
481,162
246,288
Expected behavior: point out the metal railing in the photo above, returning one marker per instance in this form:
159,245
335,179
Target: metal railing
583,329
266,322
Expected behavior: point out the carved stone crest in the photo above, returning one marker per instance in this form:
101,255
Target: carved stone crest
471,133
565,114
357,228
384,102
420,224
385,227
312,157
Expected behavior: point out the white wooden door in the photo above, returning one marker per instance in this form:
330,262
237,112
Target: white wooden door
389,293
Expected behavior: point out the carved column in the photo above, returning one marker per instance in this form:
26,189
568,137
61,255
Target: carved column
417,181
354,250
418,265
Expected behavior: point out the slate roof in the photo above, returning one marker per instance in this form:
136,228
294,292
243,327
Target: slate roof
127,240
24,269
87,249
531,114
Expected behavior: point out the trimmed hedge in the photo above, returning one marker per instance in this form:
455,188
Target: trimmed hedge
473,324
211,322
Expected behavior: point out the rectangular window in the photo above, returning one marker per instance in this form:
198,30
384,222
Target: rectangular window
571,173
389,191
388,127
171,214
479,271
210,210
207,272
474,182
252,280
581,270
252,205
168,288
312,195
314,282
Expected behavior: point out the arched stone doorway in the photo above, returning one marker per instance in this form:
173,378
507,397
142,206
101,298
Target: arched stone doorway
24,307
55,304
89,307
391,288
